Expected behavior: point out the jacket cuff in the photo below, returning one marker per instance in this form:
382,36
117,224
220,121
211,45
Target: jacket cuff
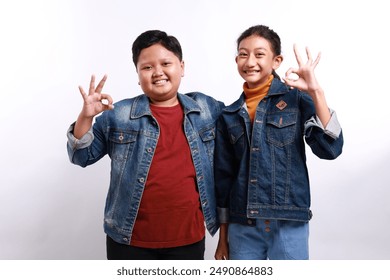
333,128
83,142
223,215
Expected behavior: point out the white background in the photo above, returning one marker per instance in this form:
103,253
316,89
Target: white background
51,209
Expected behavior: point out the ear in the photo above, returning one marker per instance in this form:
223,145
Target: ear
182,65
236,59
277,61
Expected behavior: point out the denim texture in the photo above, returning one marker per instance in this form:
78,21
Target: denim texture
269,239
128,134
260,169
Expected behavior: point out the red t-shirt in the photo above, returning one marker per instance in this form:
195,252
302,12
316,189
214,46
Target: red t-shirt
170,214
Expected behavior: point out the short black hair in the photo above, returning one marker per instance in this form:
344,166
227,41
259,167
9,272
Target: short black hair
152,37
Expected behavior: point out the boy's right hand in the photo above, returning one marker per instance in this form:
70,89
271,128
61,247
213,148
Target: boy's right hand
95,101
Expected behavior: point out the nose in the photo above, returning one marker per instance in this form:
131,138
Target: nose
251,61
157,72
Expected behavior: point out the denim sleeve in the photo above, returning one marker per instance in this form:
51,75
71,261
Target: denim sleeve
333,129
223,168
326,143
90,148
223,215
77,144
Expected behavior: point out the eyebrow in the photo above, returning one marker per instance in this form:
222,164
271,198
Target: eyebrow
256,49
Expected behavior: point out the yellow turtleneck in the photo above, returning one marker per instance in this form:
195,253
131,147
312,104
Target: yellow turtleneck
254,95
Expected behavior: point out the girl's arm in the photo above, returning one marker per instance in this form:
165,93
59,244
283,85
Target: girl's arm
307,82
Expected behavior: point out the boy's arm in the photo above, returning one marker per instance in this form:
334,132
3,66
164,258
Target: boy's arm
95,102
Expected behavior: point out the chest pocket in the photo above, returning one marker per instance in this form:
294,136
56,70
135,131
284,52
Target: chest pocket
238,140
281,128
121,144
236,134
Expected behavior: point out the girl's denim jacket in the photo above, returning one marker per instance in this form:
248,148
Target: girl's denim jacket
260,169
129,135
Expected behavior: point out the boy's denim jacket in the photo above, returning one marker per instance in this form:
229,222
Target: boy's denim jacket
260,169
129,135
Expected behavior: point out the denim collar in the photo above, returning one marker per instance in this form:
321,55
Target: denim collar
277,88
141,105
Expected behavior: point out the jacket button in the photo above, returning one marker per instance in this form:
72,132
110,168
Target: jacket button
267,229
141,180
149,150
250,222
267,222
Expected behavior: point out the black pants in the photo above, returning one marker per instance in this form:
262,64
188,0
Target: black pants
117,251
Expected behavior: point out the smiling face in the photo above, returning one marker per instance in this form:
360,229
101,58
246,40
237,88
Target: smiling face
256,60
159,73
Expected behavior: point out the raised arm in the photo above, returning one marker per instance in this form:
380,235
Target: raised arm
307,82
95,102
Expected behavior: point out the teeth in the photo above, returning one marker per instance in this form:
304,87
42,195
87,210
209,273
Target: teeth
159,82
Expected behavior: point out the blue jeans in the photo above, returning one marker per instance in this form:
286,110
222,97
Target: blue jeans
269,239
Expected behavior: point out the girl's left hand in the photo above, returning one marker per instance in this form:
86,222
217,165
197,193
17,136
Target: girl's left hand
306,80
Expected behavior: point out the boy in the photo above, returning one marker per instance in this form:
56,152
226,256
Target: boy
161,145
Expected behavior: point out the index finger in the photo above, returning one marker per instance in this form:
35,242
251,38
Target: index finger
101,84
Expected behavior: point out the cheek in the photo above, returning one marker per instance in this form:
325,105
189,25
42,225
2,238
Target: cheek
143,79
175,75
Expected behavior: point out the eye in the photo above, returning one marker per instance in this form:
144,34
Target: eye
259,54
167,63
146,67
242,54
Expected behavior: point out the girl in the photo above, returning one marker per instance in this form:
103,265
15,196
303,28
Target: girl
262,184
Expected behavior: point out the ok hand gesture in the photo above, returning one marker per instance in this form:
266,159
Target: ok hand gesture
307,82
306,79
95,101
